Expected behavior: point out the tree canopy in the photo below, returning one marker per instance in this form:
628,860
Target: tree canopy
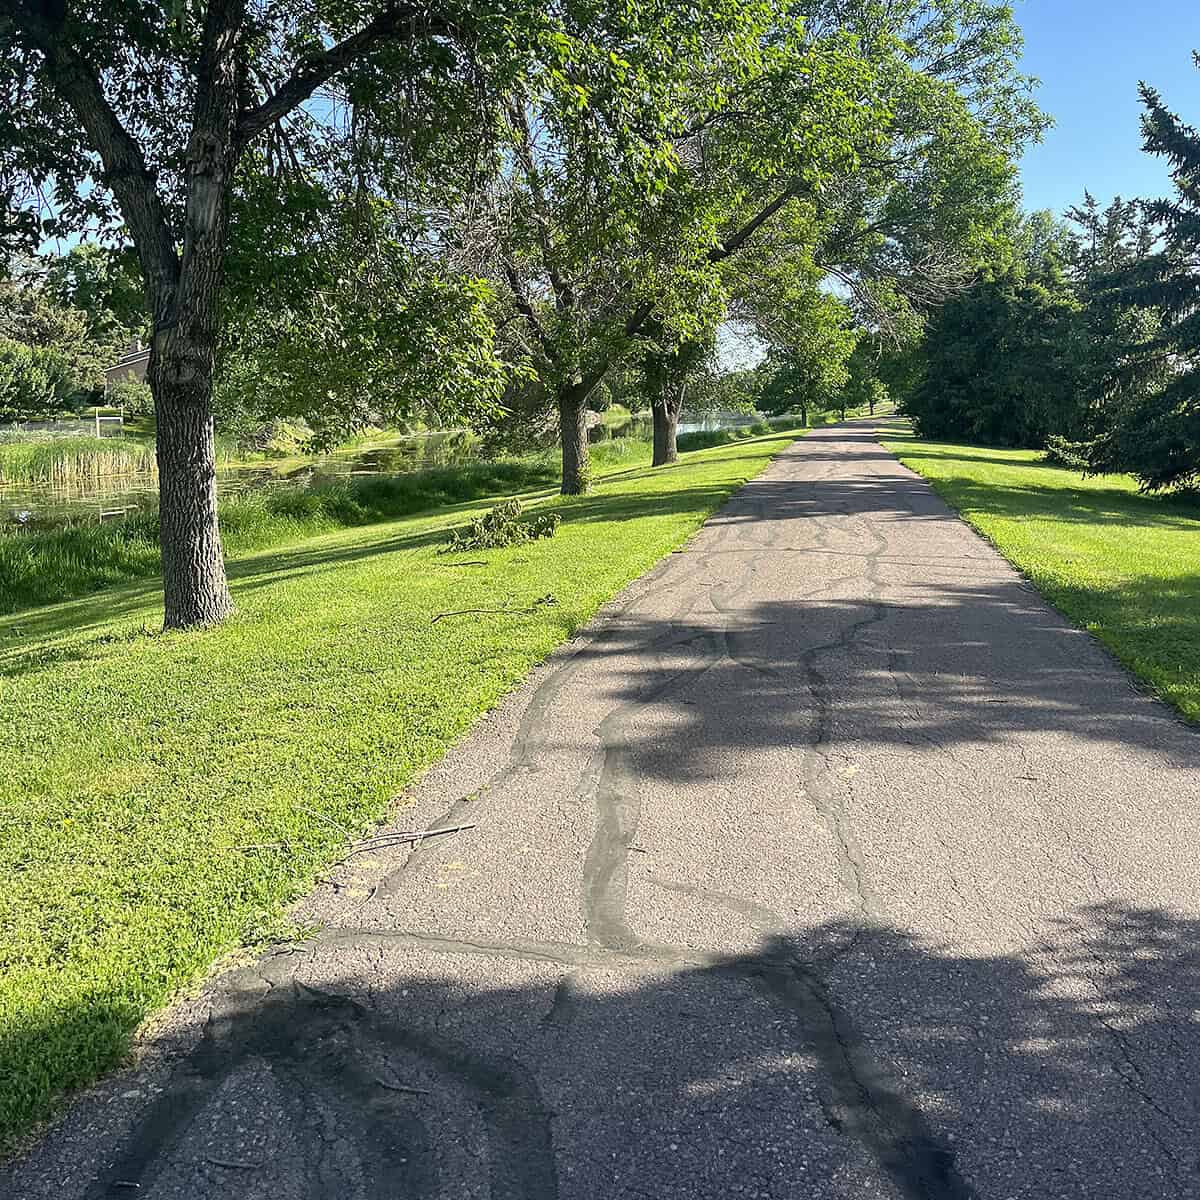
1082,336
360,211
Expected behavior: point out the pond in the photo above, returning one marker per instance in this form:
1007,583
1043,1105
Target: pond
641,425
47,505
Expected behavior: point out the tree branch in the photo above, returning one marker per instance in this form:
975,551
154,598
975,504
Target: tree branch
563,294
318,69
133,184
731,245
526,309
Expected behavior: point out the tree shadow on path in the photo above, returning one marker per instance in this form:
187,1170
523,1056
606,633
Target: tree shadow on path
832,1062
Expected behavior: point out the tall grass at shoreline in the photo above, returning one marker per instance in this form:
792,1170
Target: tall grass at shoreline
64,461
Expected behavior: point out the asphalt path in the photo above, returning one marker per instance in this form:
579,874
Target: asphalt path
828,862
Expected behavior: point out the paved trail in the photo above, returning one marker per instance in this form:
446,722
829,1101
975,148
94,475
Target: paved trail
830,863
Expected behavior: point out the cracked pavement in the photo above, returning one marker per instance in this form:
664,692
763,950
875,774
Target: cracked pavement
828,862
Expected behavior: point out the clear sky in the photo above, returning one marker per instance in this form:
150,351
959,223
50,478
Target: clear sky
1089,55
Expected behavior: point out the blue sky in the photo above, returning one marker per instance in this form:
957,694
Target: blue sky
1089,55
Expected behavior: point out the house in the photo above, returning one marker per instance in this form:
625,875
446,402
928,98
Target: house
131,365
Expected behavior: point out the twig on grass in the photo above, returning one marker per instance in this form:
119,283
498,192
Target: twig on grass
461,612
540,602
312,812
396,1087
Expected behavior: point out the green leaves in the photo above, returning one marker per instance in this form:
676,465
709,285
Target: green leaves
33,380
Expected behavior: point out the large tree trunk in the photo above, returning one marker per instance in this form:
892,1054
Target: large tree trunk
576,470
195,591
183,353
666,408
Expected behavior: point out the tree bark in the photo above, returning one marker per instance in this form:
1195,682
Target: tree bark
665,409
195,591
576,469
183,352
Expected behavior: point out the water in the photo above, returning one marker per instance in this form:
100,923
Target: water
46,506
639,426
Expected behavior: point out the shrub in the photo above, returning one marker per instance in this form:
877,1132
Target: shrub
703,439
706,439
132,396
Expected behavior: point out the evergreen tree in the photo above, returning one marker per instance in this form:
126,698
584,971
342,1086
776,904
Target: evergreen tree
1152,396
1001,362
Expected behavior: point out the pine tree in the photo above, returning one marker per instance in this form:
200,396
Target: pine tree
1152,396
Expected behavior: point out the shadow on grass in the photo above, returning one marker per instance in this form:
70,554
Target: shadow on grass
832,1061
71,626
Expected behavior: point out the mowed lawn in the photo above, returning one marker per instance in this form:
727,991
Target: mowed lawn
141,774
1123,565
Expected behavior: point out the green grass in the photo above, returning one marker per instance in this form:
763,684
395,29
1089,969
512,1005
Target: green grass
46,566
68,460
134,764
1123,565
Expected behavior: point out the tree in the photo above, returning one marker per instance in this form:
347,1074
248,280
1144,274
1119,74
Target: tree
33,380
807,365
864,387
586,232
104,283
902,229
1105,240
667,365
144,117
336,315
32,316
881,134
1151,398
1001,361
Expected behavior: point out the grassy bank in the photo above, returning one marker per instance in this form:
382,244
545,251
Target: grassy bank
1123,565
46,566
136,769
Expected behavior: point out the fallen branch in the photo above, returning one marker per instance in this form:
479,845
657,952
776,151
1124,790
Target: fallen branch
312,812
540,602
461,612
404,837
396,1087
